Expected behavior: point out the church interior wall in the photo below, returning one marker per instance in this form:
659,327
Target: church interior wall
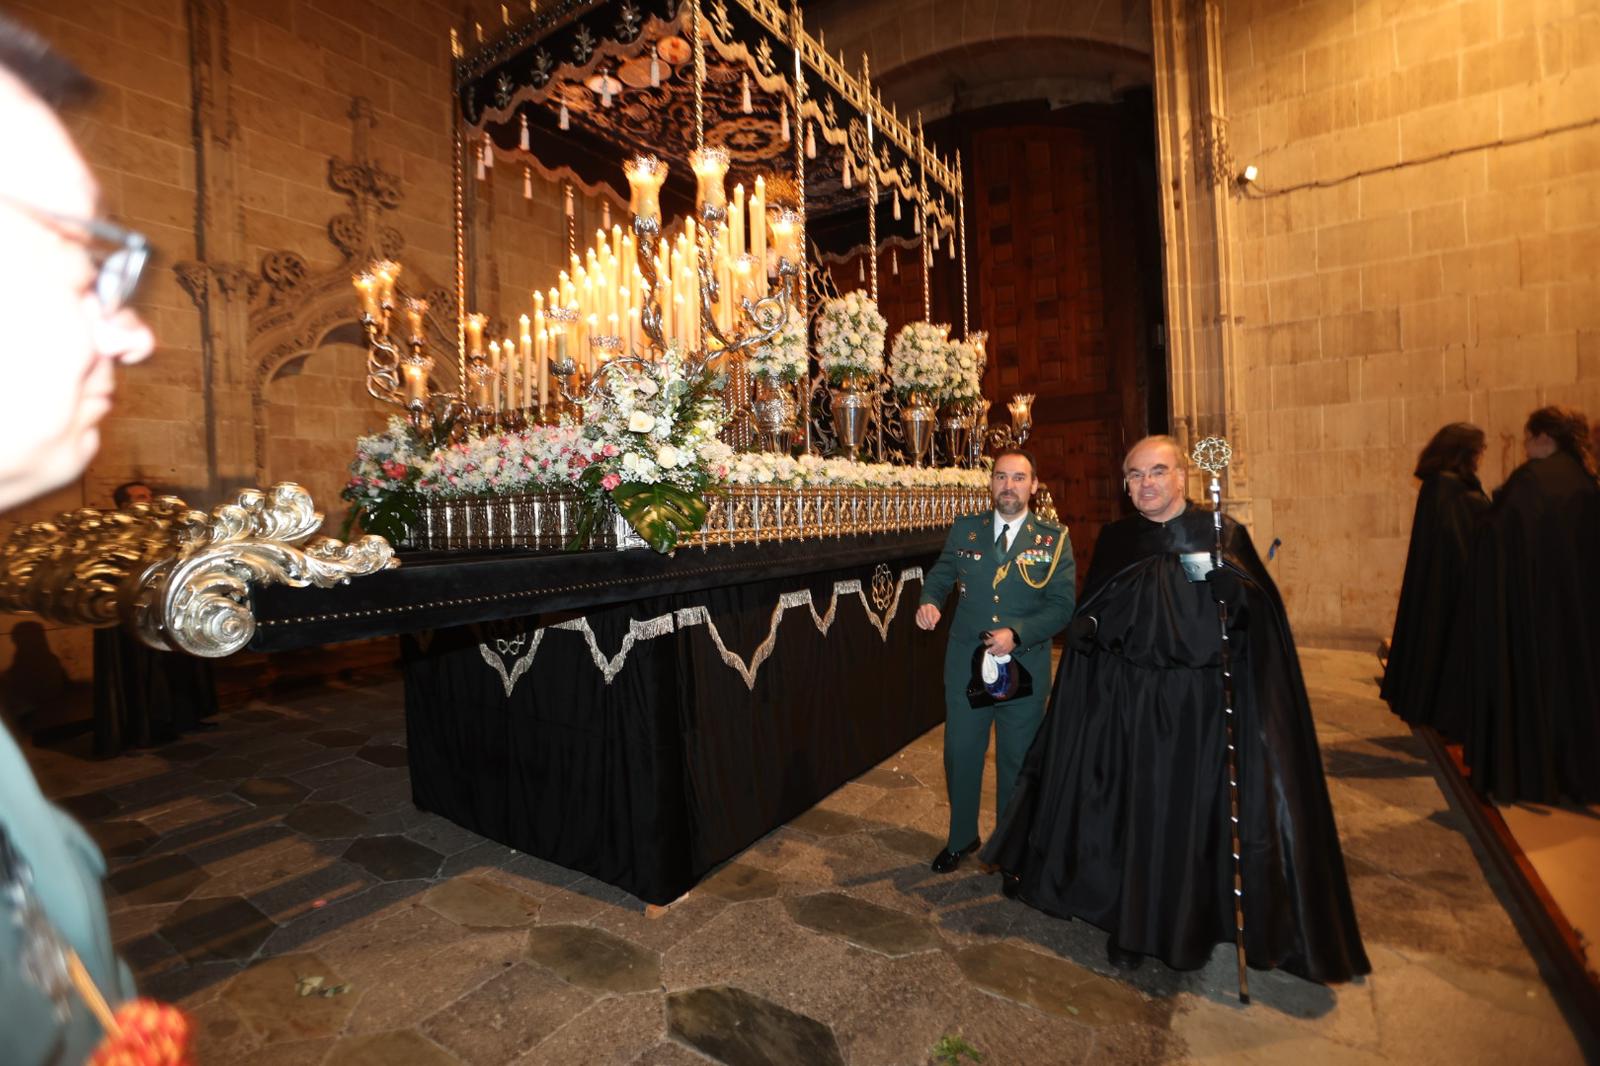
1422,246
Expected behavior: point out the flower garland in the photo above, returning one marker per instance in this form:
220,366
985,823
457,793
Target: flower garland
810,471
850,336
782,359
922,360
499,464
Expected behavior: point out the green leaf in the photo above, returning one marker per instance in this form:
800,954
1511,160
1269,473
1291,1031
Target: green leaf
660,513
391,516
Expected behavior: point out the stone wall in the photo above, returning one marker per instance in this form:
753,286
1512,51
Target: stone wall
1422,246
222,178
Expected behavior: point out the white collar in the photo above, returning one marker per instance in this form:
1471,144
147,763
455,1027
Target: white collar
1014,523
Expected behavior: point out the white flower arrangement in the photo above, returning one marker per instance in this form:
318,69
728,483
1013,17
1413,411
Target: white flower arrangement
850,336
966,380
655,422
782,359
384,462
923,360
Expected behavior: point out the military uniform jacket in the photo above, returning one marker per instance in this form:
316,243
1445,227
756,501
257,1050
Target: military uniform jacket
1031,588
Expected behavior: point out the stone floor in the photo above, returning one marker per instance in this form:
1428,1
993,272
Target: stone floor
272,876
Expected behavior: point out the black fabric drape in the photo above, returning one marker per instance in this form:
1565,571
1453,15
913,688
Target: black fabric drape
1121,810
1534,648
143,696
652,780
1419,682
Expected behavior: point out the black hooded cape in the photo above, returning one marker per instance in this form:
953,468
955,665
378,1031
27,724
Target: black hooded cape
1120,814
1419,683
1534,647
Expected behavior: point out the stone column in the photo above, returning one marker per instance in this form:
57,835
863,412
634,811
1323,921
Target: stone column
1205,362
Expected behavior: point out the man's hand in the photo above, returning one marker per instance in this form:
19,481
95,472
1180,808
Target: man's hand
1226,588
1000,641
1081,633
927,616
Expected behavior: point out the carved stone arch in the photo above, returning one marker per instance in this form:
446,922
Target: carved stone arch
293,324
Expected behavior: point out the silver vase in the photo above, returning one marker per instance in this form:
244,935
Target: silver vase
955,422
853,404
774,409
918,419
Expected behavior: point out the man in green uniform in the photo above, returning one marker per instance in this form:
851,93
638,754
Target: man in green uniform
65,278
1014,572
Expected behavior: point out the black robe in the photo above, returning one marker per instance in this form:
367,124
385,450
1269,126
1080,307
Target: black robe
1534,651
1419,683
1120,814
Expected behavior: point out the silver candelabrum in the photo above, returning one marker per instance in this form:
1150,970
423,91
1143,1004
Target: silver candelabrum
397,370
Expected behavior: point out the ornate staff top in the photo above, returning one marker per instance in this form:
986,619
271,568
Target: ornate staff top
1212,455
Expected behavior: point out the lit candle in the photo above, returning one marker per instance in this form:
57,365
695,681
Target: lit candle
475,324
736,221
386,272
415,380
710,167
645,174
367,286
758,237
786,235
525,363
415,309
544,368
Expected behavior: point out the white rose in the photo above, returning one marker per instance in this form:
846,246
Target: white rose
667,457
639,422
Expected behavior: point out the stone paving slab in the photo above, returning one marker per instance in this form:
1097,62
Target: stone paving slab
285,842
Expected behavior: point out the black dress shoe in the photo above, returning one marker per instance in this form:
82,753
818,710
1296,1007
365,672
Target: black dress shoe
1010,885
948,860
1121,958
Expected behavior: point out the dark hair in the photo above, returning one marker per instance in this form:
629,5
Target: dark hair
1455,449
1568,428
119,495
45,72
1033,465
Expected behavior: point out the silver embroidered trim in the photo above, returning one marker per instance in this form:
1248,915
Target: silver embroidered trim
660,626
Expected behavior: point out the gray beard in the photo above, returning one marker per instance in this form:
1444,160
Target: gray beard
1016,508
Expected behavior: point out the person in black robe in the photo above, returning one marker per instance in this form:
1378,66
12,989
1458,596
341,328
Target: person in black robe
1419,681
1120,815
1534,650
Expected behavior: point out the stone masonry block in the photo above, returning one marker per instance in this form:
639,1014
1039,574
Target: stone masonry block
1482,268
1354,243
1439,227
1341,291
1401,281
1575,305
1326,381
1435,130
1511,313
1393,374
1361,333
1500,64
1293,299
1523,362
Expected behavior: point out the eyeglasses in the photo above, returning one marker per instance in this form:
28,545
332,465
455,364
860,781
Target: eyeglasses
119,255
1135,477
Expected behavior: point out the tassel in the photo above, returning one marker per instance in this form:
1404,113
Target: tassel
488,153
847,181
482,173
564,123
746,104
569,201
527,183
894,261
605,214
605,90
784,121
523,141
952,245
655,67
916,222
811,141
897,205
936,238
861,269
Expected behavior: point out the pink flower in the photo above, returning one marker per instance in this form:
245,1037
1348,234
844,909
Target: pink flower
611,481
394,469
609,450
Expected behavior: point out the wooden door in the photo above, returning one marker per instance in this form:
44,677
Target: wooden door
1058,327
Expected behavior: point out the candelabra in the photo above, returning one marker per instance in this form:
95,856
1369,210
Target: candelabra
397,370
1016,434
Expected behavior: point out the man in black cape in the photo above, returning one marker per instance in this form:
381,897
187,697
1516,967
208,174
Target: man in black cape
1120,815
1421,683
1534,647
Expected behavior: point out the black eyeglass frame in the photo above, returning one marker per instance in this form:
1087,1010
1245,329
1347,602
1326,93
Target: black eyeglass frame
119,254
